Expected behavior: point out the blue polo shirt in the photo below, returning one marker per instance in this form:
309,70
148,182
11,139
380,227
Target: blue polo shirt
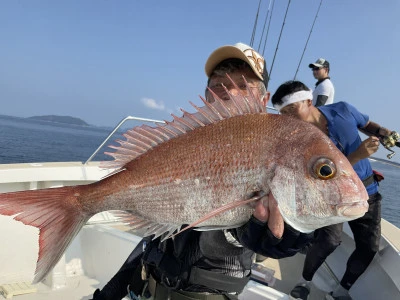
343,123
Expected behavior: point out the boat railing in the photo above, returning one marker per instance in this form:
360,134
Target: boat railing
128,118
125,120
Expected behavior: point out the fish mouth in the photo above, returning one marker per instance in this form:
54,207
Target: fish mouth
355,209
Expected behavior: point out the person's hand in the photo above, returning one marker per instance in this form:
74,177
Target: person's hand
365,150
368,147
267,211
267,234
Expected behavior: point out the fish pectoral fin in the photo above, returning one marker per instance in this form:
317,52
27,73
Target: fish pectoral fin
137,223
209,228
219,211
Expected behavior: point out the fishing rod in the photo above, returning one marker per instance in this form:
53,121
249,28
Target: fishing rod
305,47
269,24
277,45
255,25
265,23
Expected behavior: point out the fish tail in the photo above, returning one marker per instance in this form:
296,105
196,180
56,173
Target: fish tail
58,215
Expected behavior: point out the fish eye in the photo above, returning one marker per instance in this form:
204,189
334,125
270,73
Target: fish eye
324,169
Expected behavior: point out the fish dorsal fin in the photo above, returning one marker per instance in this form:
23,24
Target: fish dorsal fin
142,138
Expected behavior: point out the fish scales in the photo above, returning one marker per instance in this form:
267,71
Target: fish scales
201,170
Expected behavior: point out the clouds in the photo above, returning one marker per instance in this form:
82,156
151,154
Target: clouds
158,105
153,104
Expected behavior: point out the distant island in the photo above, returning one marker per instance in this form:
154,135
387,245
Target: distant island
61,119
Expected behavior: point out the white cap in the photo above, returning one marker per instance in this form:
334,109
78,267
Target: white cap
320,63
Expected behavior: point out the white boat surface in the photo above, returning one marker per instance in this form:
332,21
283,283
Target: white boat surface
103,245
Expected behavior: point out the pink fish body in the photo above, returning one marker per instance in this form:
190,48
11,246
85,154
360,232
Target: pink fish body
180,172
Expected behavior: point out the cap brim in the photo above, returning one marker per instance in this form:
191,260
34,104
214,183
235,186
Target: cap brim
315,65
226,52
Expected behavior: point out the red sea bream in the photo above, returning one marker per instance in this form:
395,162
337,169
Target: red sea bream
177,173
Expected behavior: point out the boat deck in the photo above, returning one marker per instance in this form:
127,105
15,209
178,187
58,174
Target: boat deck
116,243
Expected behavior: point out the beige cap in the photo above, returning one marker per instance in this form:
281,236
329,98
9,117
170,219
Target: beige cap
240,51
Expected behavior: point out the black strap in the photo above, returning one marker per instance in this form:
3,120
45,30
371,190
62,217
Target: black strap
217,281
160,292
166,263
231,297
369,180
172,272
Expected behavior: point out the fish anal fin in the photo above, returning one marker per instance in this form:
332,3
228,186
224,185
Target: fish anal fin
144,226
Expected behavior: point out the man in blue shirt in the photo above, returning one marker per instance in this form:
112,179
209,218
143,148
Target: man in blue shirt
342,123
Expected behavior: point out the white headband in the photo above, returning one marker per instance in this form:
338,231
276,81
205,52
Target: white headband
293,98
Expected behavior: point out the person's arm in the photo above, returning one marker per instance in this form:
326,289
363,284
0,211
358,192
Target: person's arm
116,288
321,100
374,129
371,144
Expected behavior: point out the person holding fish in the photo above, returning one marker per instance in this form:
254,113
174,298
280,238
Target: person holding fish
212,264
209,188
342,123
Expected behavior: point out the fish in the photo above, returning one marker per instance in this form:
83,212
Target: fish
203,168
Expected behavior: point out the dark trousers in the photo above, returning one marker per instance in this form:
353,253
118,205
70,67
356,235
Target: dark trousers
366,231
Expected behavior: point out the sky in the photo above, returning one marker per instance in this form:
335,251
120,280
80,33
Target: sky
104,60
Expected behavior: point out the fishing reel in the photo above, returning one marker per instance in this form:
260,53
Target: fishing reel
391,141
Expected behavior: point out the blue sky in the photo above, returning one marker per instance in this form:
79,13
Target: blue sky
104,60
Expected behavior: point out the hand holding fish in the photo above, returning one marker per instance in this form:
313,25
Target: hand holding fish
267,234
266,210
